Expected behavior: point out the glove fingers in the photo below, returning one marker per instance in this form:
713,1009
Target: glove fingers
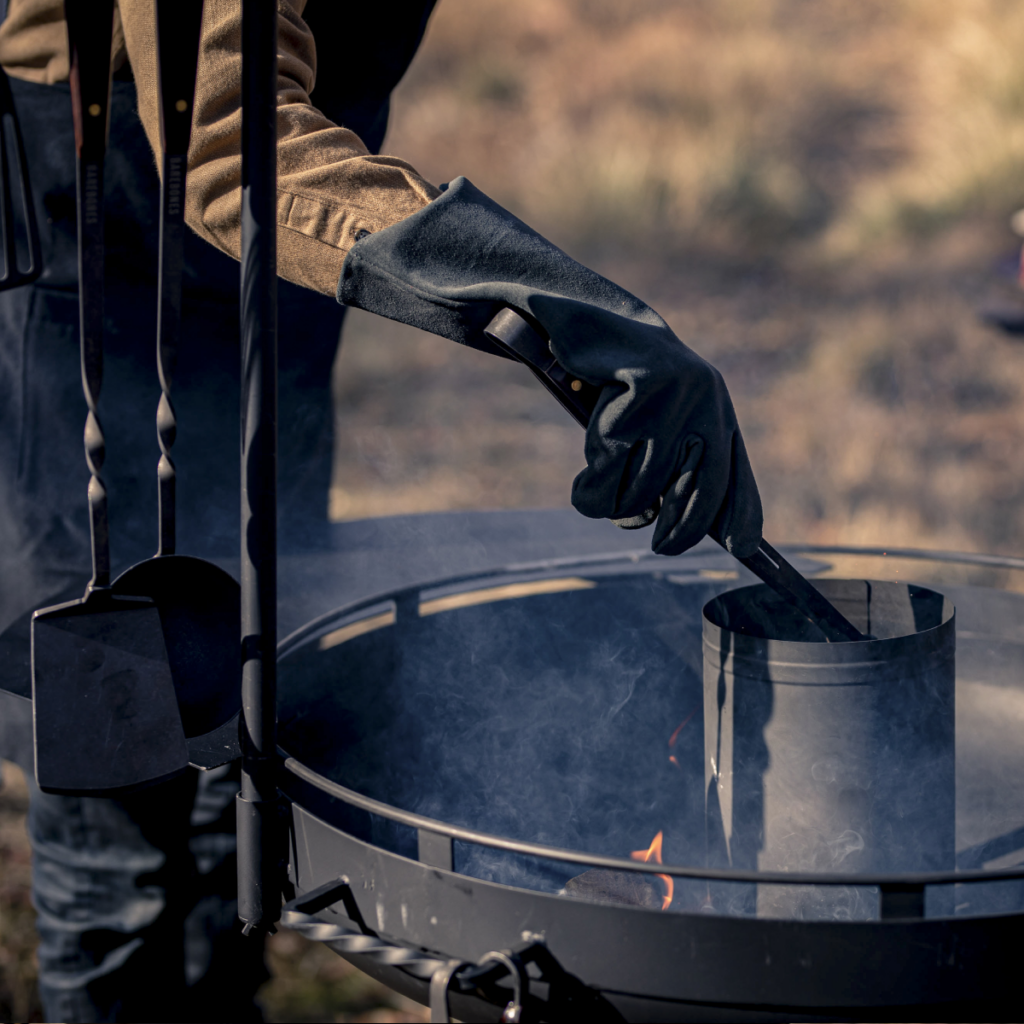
692,500
621,481
740,519
595,488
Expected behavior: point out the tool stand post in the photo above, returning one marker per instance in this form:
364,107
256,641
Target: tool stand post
260,832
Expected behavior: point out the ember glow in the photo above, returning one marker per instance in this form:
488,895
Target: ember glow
679,728
653,853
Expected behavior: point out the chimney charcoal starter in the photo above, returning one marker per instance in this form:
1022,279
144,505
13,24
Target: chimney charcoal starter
829,757
539,760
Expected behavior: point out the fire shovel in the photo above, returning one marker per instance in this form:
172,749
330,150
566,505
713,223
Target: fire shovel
198,602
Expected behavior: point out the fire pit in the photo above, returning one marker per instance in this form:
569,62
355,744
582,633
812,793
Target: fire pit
517,759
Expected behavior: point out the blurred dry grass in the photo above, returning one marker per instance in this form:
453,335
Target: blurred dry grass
312,985
683,124
18,998
814,193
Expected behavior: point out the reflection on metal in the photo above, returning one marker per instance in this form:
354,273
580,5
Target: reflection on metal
505,593
354,629
1010,860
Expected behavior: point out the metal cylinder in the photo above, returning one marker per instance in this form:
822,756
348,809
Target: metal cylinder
831,757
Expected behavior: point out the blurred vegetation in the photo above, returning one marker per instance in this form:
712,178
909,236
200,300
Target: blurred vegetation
19,1000
724,123
814,193
311,985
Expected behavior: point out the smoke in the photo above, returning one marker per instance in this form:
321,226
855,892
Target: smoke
548,719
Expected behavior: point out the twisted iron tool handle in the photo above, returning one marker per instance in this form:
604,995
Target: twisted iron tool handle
90,28
516,337
178,25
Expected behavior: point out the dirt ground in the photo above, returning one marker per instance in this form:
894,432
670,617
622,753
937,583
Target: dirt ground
815,195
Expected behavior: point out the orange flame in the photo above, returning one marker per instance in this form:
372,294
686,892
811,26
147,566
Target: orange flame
679,727
653,852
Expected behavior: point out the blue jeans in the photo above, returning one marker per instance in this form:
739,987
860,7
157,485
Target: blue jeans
136,907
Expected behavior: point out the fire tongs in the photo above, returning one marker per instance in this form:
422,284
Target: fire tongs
514,336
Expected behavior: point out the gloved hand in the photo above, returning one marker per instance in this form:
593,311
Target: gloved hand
664,425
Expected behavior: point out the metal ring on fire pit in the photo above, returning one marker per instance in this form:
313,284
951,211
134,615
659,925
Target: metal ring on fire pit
439,828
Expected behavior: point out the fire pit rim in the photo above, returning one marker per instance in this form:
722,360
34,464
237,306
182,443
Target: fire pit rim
921,554
540,569
788,965
558,853
639,559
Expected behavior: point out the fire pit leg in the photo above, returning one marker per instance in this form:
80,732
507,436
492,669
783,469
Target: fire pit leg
260,847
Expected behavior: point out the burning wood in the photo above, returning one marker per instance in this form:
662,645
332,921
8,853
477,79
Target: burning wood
624,887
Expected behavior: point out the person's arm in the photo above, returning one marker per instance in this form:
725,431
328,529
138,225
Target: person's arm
330,187
664,428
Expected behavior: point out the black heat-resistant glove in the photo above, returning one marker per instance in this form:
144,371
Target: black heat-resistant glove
664,424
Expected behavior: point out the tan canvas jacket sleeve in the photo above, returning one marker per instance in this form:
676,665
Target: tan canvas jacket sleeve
329,186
